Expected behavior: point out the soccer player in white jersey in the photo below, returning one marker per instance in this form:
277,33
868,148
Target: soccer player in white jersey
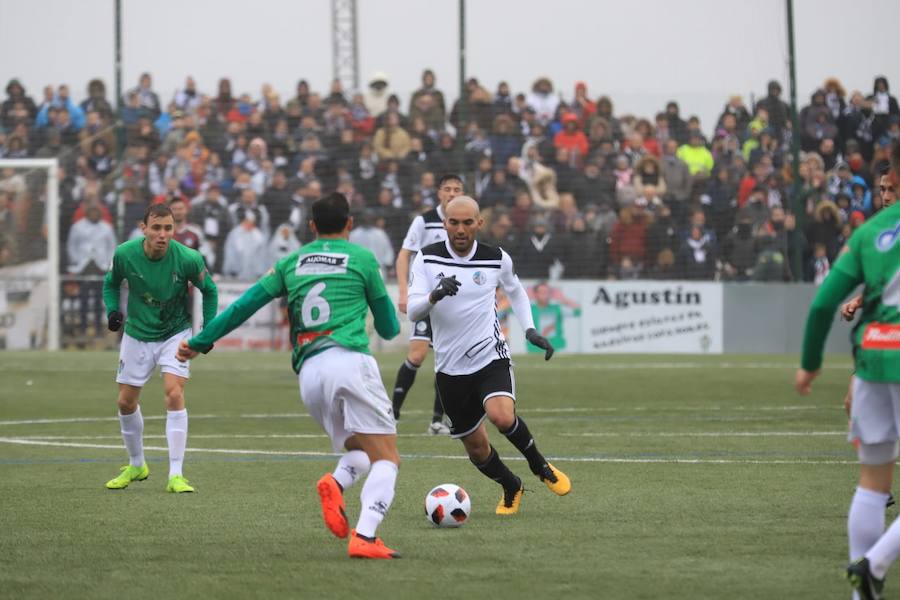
425,229
454,283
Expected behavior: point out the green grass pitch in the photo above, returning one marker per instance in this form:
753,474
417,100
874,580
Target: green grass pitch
693,477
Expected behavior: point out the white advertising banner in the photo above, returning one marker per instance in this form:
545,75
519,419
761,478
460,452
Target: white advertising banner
594,317
584,317
268,329
24,299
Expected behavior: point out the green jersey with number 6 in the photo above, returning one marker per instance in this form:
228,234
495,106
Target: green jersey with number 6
330,284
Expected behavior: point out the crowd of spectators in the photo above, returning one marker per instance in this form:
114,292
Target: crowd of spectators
568,186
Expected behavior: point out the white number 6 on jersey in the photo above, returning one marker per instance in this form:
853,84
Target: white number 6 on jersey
315,309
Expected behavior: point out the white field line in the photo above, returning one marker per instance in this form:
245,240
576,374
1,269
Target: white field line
586,459
316,436
150,418
525,410
712,434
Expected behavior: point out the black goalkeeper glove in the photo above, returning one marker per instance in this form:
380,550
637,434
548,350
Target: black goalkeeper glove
540,341
448,286
115,320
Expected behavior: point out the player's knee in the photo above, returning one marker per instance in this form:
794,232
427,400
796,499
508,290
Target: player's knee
417,355
127,405
502,419
174,398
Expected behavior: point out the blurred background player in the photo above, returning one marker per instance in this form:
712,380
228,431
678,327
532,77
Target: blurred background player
425,229
158,271
875,406
330,285
473,370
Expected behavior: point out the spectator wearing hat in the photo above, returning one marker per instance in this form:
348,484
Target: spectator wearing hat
246,250
96,100
538,249
572,139
377,94
696,155
369,235
16,100
777,110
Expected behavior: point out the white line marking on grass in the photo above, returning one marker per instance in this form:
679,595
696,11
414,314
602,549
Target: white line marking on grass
204,436
589,459
150,418
707,434
559,366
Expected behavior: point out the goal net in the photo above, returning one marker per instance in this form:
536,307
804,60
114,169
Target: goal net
30,286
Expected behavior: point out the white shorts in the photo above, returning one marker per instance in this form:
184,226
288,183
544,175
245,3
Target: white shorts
137,359
343,392
875,413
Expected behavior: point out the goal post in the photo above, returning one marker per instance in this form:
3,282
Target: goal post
23,267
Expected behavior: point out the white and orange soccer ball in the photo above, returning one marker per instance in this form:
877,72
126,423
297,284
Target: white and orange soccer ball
447,505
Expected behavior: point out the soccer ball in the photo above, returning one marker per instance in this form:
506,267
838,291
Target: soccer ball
447,505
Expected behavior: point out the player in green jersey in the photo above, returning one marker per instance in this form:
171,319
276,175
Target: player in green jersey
872,258
158,271
330,285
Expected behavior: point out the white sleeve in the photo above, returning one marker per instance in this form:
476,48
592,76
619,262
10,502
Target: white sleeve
415,235
418,305
512,287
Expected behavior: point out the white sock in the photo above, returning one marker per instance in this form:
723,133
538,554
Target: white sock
885,551
176,435
352,466
132,427
376,496
865,521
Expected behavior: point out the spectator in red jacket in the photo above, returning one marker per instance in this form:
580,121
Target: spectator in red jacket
628,239
572,138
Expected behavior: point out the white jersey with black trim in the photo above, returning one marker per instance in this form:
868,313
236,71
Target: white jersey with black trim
426,229
465,330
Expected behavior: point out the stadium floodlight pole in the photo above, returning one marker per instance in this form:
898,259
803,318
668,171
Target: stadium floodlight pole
463,109
118,73
797,205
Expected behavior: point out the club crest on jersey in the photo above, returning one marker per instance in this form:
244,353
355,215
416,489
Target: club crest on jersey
887,238
479,277
321,263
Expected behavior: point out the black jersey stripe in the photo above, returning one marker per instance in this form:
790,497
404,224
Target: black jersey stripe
463,265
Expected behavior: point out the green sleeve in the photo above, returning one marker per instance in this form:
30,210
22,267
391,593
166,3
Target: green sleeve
232,317
112,284
386,323
848,262
273,281
833,290
204,282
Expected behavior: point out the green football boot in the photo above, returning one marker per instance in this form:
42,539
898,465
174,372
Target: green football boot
178,485
128,474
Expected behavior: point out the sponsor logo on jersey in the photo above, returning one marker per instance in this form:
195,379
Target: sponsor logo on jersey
479,277
887,238
881,336
322,263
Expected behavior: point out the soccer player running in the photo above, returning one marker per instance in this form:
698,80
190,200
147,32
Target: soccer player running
424,230
474,373
330,284
158,270
872,258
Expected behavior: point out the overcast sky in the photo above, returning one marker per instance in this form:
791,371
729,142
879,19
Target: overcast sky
697,52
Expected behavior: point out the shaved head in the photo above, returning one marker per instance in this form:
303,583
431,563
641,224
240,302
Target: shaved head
463,222
464,203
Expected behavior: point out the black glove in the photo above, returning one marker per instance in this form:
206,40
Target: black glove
115,320
540,341
448,286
